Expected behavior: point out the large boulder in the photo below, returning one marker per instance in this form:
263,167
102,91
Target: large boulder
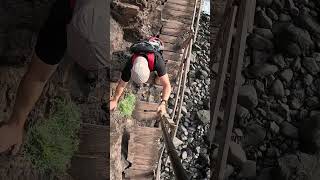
292,39
247,97
262,70
258,42
310,65
299,166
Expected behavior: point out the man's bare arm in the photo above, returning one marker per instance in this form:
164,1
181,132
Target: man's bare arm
119,90
165,82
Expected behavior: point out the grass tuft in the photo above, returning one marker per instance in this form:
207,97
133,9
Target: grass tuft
52,142
126,105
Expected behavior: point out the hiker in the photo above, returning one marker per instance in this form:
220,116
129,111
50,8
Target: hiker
77,27
146,58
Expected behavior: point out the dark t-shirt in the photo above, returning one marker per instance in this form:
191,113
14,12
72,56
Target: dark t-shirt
159,67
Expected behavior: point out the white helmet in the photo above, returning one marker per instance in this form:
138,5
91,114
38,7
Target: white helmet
140,71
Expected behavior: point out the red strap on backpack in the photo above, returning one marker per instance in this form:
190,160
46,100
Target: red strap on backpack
150,58
72,3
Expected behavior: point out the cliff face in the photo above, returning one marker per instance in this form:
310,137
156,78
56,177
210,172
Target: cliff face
138,19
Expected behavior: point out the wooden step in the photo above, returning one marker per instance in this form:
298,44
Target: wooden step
179,7
168,39
178,16
140,114
144,160
189,3
175,24
167,55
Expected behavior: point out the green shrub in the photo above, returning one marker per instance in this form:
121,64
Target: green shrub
52,142
126,105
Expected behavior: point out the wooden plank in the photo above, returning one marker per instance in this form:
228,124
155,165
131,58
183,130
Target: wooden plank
90,167
172,48
238,54
189,3
94,139
145,111
168,39
178,16
179,7
176,13
175,25
144,160
173,68
171,32
172,56
222,70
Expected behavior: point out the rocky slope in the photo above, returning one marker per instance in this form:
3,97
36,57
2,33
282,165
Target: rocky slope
276,126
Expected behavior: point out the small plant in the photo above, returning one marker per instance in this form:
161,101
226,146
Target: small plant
126,105
52,142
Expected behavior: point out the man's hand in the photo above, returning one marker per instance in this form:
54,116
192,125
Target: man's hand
162,109
113,104
10,135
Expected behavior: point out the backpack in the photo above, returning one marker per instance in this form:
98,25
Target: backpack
146,49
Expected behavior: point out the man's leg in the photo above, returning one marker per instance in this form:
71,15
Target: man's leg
30,89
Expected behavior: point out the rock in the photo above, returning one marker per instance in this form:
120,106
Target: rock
263,70
266,174
273,15
177,142
259,57
258,42
301,37
274,127
215,67
311,24
279,60
228,171
266,33
247,97
184,110
275,117
296,65
284,18
308,79
254,135
316,56
311,65
248,170
184,155
277,88
259,86
277,5
262,20
242,112
298,166
288,130
309,133
264,2
204,73
293,49
236,155
286,75
295,103
312,102
204,116
238,132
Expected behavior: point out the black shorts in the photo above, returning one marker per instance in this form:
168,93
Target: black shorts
52,39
